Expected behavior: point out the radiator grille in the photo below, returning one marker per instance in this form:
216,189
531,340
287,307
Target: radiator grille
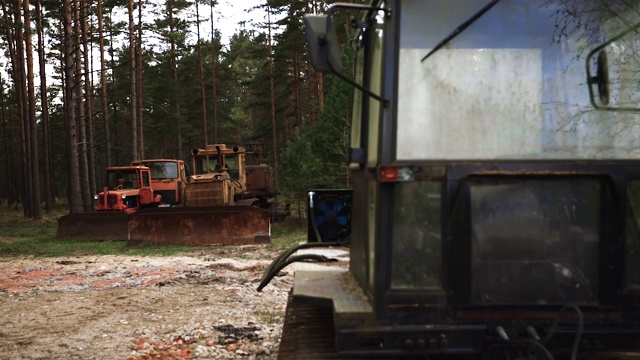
205,194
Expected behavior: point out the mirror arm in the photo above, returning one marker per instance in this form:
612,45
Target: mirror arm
330,10
385,102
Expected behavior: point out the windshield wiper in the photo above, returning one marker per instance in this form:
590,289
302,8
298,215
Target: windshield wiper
460,28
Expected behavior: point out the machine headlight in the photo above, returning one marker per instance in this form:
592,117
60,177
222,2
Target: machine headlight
95,197
123,196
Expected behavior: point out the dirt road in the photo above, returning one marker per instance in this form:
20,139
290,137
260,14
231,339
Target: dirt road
202,305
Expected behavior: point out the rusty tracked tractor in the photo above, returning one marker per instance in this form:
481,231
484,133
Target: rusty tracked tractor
495,158
127,189
222,205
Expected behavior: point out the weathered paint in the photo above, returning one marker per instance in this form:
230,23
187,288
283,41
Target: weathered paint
97,226
224,225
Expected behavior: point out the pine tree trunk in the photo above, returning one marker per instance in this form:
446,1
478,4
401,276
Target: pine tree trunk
273,107
46,128
34,171
8,159
81,118
103,86
118,135
174,73
139,81
21,97
201,73
214,60
15,178
73,168
88,93
134,89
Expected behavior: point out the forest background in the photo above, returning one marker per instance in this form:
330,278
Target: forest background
96,83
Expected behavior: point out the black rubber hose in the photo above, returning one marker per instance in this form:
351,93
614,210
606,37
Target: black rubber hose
285,254
274,271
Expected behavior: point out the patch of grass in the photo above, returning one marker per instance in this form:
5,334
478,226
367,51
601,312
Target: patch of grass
287,234
26,237
50,246
271,316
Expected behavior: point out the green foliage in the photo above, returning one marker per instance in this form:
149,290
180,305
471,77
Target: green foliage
288,234
48,246
317,157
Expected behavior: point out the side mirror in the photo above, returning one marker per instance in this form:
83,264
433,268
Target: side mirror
599,81
613,73
322,42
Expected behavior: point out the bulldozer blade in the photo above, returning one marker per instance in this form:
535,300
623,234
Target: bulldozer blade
209,225
97,226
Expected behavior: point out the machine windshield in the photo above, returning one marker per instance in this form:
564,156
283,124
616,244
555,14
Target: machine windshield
123,179
513,84
162,169
209,164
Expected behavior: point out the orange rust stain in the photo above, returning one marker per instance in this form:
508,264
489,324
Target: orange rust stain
23,280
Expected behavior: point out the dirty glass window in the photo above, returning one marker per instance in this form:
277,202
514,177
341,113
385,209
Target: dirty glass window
231,161
417,236
535,241
514,83
162,169
202,164
633,236
129,179
146,181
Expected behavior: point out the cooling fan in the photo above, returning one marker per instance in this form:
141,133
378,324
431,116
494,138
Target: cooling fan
331,212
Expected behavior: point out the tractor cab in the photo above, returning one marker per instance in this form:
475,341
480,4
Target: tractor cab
127,189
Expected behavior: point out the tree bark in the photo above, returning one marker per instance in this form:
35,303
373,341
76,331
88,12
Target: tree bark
34,171
103,86
139,81
214,60
201,73
46,128
174,74
81,114
16,179
73,169
134,89
88,94
273,106
8,159
21,97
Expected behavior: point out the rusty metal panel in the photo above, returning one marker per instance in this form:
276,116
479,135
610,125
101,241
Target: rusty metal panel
205,193
97,226
259,178
225,225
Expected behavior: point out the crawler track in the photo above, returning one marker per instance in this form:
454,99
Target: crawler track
308,332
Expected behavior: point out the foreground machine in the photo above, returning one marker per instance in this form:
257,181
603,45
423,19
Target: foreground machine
496,184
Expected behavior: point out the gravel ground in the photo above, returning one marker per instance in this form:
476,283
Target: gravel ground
200,305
